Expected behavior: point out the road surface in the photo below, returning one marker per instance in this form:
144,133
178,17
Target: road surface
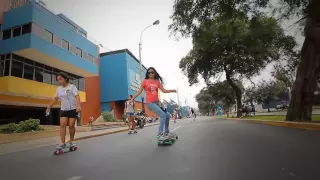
207,149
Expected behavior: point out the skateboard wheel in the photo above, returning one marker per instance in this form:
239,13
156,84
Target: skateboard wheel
56,153
61,152
176,137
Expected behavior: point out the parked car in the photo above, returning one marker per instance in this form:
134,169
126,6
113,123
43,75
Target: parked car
282,107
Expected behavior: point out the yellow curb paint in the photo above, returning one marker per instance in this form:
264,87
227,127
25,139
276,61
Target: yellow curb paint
296,125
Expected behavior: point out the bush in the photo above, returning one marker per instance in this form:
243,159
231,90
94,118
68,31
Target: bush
29,125
23,126
9,128
108,116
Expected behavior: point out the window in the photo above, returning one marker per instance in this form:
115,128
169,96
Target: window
38,74
26,29
73,49
65,44
28,61
17,58
54,78
79,52
7,56
91,58
16,31
47,35
6,67
6,34
38,64
81,84
47,77
57,41
1,65
28,72
42,32
16,69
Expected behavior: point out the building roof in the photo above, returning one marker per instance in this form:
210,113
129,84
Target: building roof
119,52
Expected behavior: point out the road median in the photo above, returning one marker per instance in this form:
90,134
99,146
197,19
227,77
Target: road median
288,124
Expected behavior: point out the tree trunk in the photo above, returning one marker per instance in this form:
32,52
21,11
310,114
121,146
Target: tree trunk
302,94
238,94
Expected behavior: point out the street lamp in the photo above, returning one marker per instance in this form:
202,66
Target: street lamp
140,46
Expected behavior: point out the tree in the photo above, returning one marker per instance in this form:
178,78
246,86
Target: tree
206,102
188,13
236,47
268,91
224,93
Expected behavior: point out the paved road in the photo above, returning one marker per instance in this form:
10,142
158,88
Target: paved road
207,149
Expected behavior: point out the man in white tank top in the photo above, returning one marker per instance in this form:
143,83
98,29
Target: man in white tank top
129,110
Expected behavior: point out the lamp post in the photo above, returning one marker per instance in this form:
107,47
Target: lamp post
140,46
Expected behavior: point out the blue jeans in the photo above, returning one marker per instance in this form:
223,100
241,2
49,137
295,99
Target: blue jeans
164,117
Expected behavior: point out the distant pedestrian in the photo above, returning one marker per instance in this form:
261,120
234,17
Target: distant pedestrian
151,84
129,110
68,95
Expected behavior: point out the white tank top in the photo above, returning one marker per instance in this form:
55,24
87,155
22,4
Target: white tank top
130,108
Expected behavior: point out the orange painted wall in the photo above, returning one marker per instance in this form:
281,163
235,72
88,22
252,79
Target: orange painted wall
92,105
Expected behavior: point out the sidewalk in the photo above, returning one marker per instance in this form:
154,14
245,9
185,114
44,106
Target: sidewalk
288,124
32,140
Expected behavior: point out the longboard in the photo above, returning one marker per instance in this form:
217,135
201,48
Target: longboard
168,141
66,149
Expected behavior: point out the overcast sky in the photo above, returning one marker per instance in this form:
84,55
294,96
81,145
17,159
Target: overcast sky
117,24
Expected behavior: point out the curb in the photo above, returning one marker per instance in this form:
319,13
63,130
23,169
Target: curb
107,133
296,125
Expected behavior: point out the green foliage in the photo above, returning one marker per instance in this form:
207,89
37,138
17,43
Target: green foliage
268,91
108,116
188,14
29,125
223,93
206,102
23,126
9,128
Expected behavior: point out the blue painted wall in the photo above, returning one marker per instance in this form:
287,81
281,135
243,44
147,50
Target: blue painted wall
62,54
32,12
113,78
15,44
105,107
134,76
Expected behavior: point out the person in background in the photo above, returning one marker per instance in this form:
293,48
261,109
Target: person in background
151,84
68,95
129,110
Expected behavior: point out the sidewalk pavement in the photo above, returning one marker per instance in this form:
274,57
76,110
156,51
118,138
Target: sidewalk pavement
26,141
288,124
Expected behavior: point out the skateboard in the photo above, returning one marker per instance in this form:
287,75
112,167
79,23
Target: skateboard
67,149
168,141
134,132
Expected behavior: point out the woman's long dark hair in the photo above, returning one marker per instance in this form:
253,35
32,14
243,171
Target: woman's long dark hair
157,76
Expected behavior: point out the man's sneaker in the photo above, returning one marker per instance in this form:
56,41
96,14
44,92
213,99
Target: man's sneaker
69,144
62,146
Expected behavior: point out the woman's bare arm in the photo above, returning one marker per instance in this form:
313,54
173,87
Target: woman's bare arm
138,93
165,90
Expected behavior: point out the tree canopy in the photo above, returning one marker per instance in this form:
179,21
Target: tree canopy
268,91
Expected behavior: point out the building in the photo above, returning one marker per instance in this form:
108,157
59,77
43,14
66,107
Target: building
119,78
35,45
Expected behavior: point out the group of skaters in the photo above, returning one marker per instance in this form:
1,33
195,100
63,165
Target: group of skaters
68,95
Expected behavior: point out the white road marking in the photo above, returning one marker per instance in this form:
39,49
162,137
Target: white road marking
75,178
176,128
291,174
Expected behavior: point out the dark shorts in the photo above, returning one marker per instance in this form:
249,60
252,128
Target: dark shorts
130,114
69,114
